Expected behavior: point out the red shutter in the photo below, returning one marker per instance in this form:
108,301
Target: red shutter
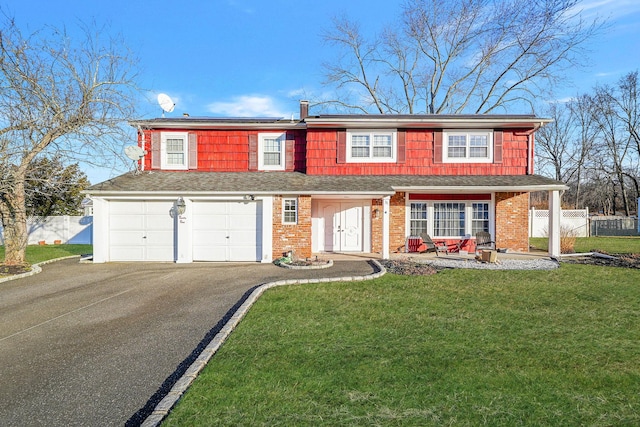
155,150
437,146
497,146
289,147
342,147
193,151
253,152
402,147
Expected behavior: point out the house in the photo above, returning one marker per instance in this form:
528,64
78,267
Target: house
252,189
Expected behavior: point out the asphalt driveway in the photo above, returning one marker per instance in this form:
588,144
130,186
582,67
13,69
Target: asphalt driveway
91,344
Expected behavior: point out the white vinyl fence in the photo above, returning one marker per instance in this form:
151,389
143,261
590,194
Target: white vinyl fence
576,220
66,229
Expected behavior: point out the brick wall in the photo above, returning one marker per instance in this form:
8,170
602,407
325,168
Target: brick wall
397,210
376,226
512,221
292,237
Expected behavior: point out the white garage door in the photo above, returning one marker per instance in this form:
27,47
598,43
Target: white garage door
227,231
141,231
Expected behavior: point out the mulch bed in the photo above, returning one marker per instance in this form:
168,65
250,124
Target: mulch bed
408,268
8,270
621,260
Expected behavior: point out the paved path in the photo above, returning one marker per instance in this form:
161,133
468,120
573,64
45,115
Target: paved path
85,344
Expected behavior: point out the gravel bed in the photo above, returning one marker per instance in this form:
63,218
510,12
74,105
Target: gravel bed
505,264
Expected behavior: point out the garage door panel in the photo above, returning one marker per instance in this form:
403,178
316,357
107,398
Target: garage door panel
127,253
227,231
159,253
211,238
141,231
124,238
248,253
243,237
209,253
126,222
159,238
126,208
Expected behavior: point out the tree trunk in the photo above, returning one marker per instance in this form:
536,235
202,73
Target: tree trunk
14,221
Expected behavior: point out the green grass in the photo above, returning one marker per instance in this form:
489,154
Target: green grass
619,245
462,347
37,253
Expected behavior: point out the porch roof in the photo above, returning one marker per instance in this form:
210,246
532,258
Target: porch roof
266,183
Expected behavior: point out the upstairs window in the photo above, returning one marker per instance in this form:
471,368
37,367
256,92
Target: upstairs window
371,146
467,146
174,147
271,151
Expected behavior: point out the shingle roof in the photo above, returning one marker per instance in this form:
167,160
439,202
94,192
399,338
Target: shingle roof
299,183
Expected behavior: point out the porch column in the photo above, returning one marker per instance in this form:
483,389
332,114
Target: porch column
555,212
385,227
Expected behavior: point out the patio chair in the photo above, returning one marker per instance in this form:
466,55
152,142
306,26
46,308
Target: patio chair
431,246
483,241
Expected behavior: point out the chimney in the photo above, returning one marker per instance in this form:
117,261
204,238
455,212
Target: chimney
304,109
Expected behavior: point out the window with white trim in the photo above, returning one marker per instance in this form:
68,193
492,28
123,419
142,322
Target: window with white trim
449,219
289,211
271,155
469,146
480,219
371,146
419,218
175,149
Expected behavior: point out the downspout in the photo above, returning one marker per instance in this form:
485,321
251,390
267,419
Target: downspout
142,141
530,154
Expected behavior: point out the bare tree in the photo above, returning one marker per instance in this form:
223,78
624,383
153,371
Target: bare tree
616,142
467,56
58,95
554,143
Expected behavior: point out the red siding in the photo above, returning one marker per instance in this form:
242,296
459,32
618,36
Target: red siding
319,153
229,150
420,159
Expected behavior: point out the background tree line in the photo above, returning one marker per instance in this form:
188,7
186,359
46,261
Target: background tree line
593,145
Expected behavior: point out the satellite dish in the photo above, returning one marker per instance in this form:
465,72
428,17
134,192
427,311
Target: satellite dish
134,152
166,103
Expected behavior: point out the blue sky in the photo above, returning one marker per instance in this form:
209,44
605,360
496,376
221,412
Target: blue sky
257,58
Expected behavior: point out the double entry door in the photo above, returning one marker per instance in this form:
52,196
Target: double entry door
342,226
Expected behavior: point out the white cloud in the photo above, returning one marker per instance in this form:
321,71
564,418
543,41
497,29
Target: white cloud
247,106
240,5
609,8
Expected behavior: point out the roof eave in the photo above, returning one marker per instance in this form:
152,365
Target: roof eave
217,124
483,188
427,122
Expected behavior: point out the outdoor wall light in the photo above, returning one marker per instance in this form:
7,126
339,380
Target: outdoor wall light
249,197
181,206
376,213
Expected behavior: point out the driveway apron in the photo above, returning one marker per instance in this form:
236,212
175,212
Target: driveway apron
90,344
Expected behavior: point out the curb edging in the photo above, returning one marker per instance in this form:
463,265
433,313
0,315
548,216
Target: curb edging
162,409
35,269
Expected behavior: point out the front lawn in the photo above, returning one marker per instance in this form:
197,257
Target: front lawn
618,245
462,347
38,253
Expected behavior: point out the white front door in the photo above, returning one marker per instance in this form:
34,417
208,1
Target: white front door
342,226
